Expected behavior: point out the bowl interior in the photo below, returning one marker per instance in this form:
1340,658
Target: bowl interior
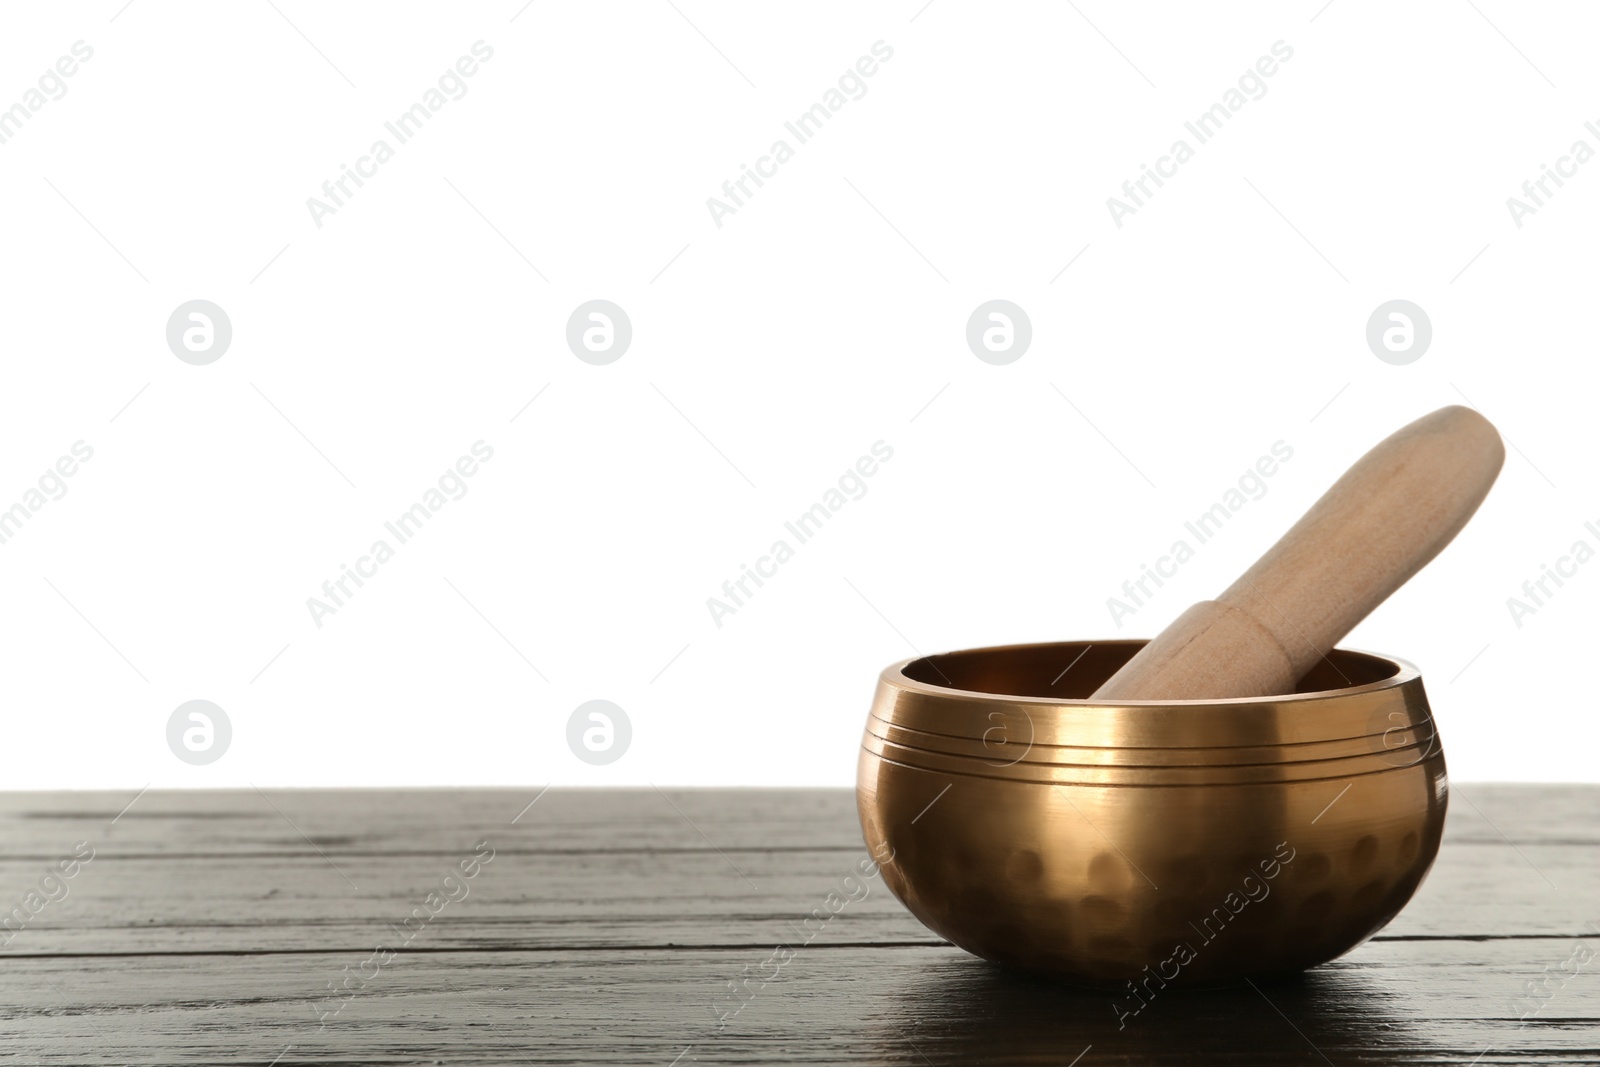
1072,672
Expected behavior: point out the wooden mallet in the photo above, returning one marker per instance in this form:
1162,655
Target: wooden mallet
1380,523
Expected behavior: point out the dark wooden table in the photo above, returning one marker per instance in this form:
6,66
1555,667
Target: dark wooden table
470,927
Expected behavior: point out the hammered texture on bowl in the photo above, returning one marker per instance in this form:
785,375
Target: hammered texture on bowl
1149,842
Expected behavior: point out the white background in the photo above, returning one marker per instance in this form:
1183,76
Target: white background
827,314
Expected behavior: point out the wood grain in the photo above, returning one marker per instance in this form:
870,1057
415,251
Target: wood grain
605,930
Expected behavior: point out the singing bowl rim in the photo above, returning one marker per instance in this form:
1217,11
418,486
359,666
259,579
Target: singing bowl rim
1364,709
1405,671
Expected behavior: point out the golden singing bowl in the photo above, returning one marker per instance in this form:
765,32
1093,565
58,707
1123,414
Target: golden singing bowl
1149,842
